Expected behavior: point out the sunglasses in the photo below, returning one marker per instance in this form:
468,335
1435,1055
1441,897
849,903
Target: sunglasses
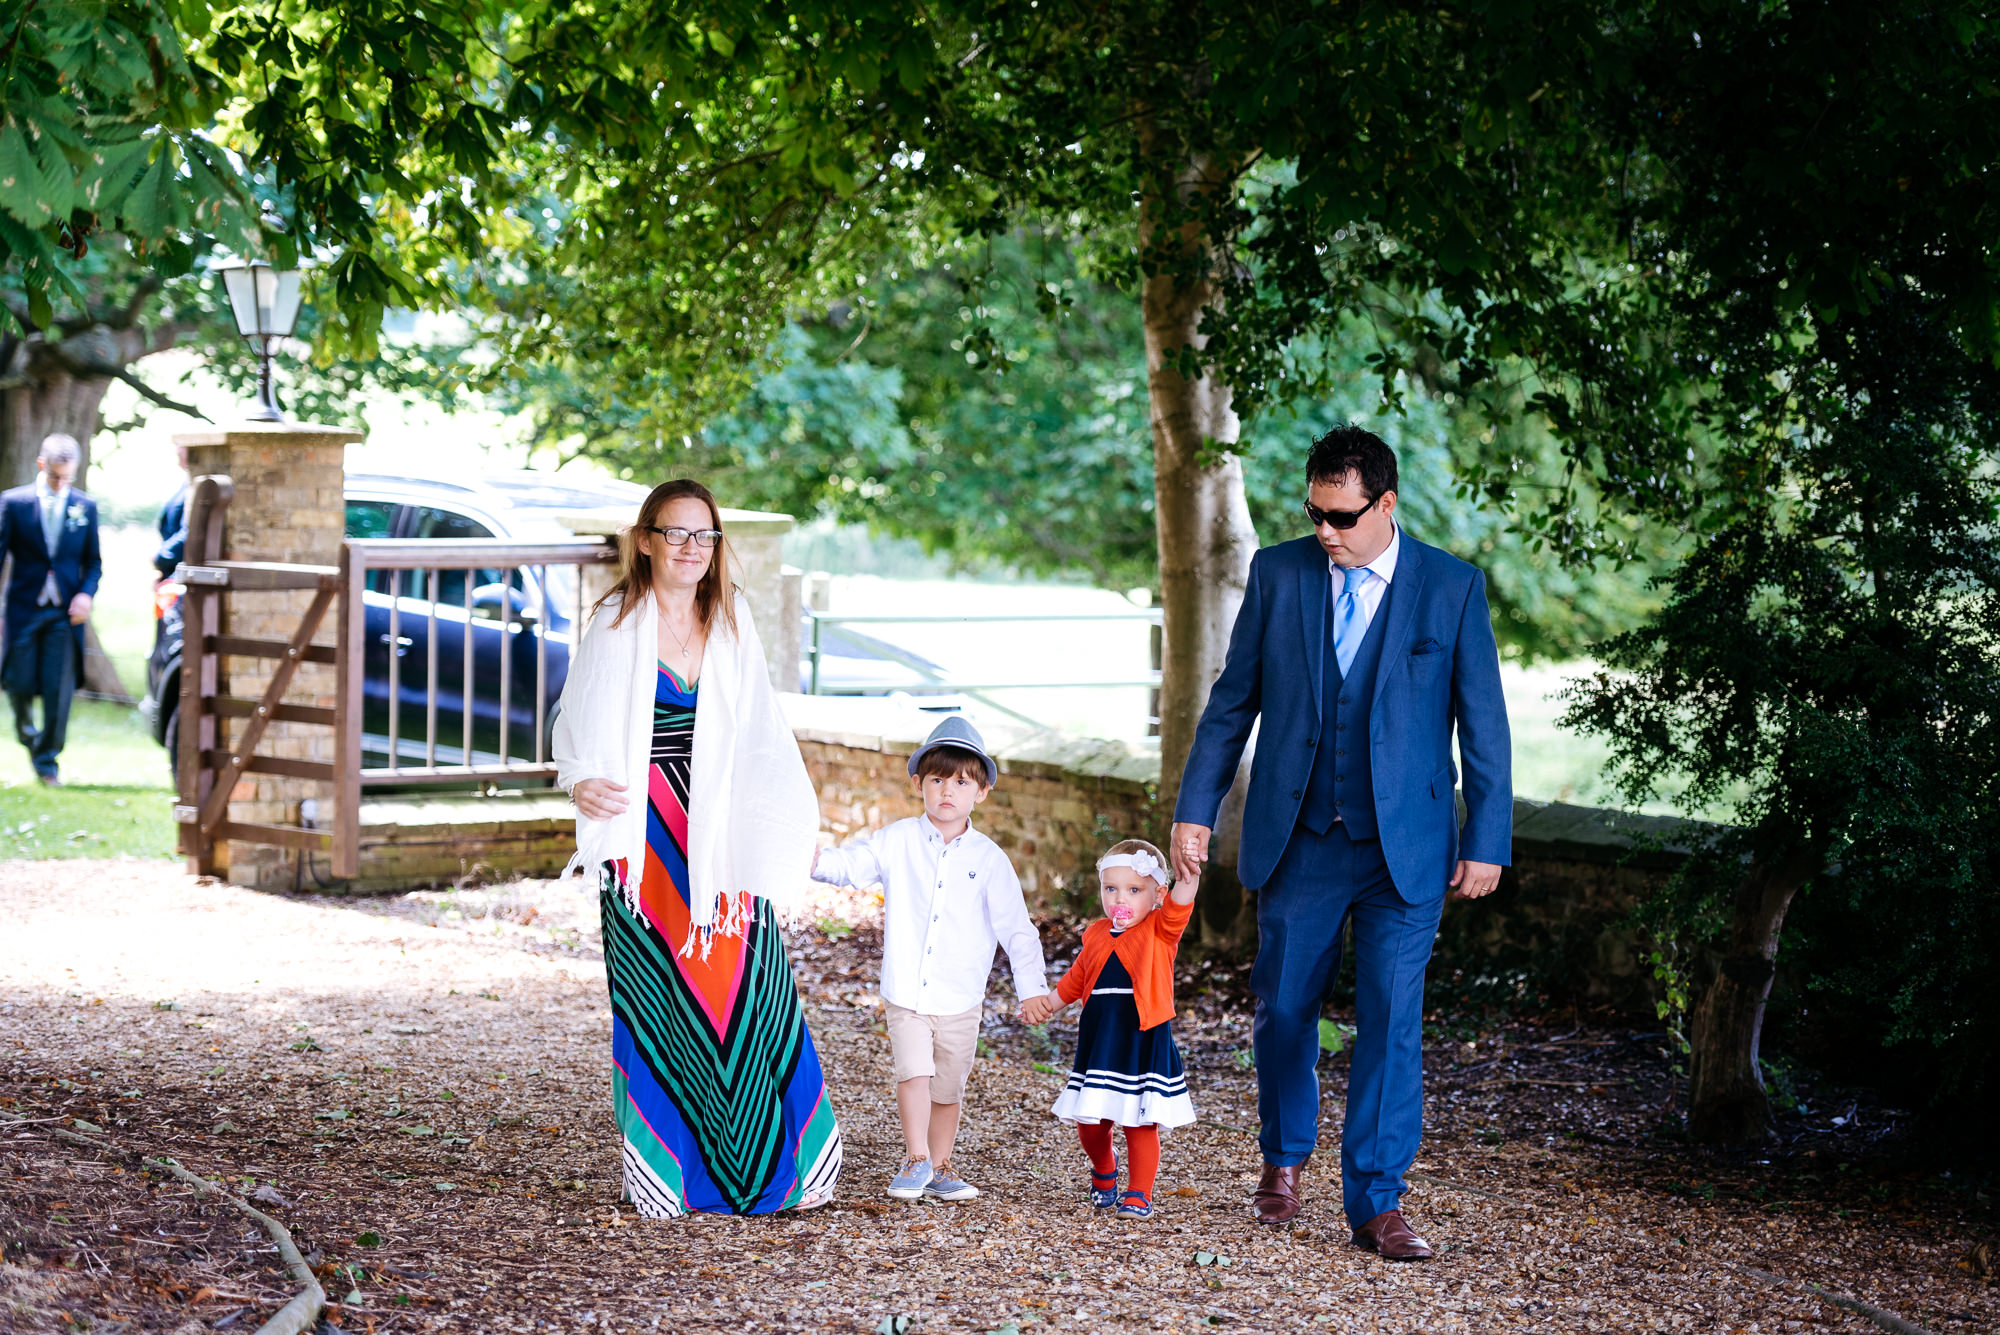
1338,519
678,537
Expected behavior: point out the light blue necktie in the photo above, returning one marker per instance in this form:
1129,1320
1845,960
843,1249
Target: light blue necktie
1350,621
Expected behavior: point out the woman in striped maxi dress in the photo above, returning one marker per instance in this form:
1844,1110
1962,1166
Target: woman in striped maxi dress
720,1100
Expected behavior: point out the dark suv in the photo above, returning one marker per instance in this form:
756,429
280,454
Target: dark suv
519,506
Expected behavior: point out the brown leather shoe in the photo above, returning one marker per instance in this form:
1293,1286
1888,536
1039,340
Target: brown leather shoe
1277,1198
1388,1235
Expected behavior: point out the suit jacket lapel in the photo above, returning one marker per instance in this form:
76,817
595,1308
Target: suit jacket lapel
1313,596
32,521
1404,591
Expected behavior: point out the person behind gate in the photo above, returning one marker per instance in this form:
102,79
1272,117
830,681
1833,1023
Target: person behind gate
50,530
1362,649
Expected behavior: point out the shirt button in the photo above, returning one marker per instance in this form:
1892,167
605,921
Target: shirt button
1295,792
1343,699
1340,778
1341,752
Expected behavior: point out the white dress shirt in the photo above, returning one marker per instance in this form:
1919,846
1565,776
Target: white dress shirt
944,908
51,503
1381,574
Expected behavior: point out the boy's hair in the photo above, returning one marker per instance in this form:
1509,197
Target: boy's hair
1141,846
952,762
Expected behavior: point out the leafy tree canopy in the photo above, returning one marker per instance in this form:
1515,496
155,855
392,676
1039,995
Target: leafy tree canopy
944,405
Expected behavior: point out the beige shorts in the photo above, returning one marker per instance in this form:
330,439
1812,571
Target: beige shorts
939,1046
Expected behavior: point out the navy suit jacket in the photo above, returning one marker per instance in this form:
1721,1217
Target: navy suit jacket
173,534
1440,669
76,561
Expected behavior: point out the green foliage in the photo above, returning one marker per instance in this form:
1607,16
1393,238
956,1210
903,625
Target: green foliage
1825,658
103,125
946,405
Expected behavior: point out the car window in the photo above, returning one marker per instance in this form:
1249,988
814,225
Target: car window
431,523
372,519
428,521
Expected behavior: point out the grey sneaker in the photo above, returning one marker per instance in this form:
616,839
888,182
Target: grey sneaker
911,1179
946,1185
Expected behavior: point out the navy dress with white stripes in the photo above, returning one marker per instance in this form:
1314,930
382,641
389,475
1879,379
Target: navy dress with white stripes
1124,1074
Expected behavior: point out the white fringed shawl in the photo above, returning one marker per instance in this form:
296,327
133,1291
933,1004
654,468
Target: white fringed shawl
752,813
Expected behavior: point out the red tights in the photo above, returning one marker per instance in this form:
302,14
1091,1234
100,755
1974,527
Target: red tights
1142,1152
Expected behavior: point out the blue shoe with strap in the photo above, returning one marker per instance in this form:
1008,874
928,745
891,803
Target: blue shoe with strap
1136,1205
1104,1188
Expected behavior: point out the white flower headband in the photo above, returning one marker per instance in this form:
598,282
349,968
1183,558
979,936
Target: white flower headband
1142,862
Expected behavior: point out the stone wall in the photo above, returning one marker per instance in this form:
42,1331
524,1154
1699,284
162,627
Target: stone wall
1558,925
1059,803
426,840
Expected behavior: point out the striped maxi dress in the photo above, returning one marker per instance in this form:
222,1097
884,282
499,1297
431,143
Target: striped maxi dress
721,1103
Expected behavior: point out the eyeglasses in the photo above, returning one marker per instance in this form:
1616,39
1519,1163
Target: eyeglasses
1339,519
678,537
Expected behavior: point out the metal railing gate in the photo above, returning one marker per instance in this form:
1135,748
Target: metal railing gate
412,574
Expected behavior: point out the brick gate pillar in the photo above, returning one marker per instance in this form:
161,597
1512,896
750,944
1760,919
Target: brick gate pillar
289,506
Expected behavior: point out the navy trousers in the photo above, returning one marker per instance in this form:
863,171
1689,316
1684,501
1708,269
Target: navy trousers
41,661
1322,881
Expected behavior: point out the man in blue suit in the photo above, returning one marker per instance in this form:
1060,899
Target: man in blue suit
50,531
1361,649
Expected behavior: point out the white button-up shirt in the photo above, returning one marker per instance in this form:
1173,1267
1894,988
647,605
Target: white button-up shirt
1381,573
944,908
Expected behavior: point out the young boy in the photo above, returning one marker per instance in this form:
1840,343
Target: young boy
949,895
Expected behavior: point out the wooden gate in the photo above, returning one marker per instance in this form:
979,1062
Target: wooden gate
209,767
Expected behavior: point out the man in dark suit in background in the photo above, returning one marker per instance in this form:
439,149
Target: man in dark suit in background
1363,651
50,530
173,526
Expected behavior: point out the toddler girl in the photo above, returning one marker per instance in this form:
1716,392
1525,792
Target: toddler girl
1128,1071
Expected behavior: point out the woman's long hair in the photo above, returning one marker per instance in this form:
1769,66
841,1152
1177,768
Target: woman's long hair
714,597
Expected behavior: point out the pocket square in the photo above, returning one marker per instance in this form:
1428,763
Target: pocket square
1425,647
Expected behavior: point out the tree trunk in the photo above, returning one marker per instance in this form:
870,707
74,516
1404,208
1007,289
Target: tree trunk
1727,1104
51,400
1203,522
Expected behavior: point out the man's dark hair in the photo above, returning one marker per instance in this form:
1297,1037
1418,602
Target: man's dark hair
1353,449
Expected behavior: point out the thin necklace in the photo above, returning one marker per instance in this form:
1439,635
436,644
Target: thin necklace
668,623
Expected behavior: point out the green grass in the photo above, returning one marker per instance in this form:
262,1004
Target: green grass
116,796
1555,765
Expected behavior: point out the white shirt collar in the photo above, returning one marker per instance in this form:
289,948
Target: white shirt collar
1384,564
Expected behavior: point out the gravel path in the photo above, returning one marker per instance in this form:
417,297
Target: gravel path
418,1088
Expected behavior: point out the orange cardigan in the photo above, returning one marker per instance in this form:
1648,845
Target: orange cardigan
1147,952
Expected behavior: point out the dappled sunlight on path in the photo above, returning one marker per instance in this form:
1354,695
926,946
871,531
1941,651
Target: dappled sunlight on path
424,1082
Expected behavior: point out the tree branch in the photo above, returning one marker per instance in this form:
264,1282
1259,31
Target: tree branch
125,374
129,316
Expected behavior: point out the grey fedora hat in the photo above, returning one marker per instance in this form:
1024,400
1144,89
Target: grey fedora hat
956,731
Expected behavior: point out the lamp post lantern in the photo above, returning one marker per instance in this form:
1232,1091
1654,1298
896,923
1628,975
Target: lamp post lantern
266,303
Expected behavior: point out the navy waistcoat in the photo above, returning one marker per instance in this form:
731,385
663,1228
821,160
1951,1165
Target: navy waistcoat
1343,778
